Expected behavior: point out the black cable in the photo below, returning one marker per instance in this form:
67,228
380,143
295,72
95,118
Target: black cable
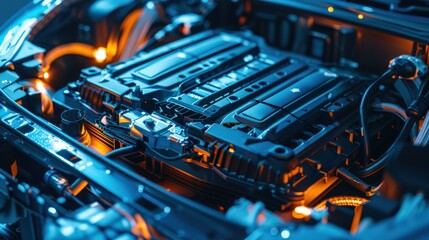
164,157
119,152
363,110
424,88
133,149
124,136
405,67
384,159
419,107
118,127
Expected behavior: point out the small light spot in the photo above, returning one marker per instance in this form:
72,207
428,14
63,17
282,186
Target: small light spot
181,55
67,230
167,209
360,16
45,75
100,55
150,5
331,9
52,210
248,58
301,212
285,234
41,87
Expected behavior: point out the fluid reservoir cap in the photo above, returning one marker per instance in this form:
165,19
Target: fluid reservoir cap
149,122
72,122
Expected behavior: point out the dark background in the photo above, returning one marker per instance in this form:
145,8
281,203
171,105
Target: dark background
9,7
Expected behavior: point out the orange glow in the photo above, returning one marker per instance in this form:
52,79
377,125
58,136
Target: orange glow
141,228
47,104
14,169
242,20
80,185
186,29
261,218
99,146
40,86
45,75
126,28
360,16
349,201
285,178
81,49
248,6
100,54
301,212
86,138
331,9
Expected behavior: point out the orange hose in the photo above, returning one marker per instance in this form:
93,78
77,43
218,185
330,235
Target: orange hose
67,49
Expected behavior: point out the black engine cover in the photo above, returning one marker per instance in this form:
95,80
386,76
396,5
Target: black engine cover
264,123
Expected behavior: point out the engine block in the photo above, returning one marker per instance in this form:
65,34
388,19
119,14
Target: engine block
261,123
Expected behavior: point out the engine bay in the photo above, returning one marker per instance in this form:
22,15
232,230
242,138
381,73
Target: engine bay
265,119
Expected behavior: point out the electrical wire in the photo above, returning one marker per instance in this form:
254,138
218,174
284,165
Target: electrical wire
363,110
407,90
134,148
424,87
391,107
423,136
398,111
119,152
76,48
393,113
164,157
384,159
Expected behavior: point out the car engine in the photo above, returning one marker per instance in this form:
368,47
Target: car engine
247,119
